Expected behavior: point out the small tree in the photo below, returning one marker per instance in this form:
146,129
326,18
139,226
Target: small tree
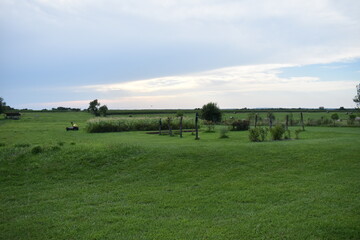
93,107
211,112
334,117
357,97
2,105
103,110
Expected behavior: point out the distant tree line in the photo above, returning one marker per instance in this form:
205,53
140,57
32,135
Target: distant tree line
65,109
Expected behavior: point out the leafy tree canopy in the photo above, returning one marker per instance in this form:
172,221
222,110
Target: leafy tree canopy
211,112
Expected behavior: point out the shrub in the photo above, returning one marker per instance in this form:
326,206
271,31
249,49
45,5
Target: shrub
334,117
240,125
277,132
223,132
36,150
210,126
258,134
2,144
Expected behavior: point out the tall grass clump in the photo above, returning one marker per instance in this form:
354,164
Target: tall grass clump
99,125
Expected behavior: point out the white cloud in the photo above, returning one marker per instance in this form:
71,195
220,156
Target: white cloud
221,84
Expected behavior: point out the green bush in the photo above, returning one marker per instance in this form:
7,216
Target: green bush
223,132
277,132
240,125
2,144
258,134
37,149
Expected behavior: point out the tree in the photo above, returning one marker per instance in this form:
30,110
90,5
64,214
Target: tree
211,112
2,105
103,110
334,117
93,107
357,97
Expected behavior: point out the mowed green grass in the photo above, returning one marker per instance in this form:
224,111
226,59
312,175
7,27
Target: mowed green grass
132,185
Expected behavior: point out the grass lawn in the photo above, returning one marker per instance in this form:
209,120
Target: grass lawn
133,185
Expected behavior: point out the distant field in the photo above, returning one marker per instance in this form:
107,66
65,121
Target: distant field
131,185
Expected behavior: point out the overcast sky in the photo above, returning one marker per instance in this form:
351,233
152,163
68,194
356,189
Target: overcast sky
139,54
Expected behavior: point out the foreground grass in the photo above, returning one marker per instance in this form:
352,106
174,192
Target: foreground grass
138,186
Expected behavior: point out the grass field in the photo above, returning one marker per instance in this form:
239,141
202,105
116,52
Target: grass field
132,185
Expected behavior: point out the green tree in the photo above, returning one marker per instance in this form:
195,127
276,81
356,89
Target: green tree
103,110
2,105
357,97
93,107
211,112
334,117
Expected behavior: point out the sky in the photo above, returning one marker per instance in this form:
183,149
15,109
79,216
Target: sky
172,54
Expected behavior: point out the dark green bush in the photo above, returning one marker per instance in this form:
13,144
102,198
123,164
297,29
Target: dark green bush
211,112
277,132
240,125
2,144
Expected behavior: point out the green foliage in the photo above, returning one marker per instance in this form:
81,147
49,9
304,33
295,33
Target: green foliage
2,144
357,97
103,110
94,107
179,113
258,134
98,125
334,116
224,132
211,112
277,132
240,125
352,118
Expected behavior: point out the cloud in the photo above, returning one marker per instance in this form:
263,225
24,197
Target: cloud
192,90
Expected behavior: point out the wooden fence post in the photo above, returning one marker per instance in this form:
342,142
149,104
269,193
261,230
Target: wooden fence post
256,119
196,126
160,126
181,119
287,122
302,121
